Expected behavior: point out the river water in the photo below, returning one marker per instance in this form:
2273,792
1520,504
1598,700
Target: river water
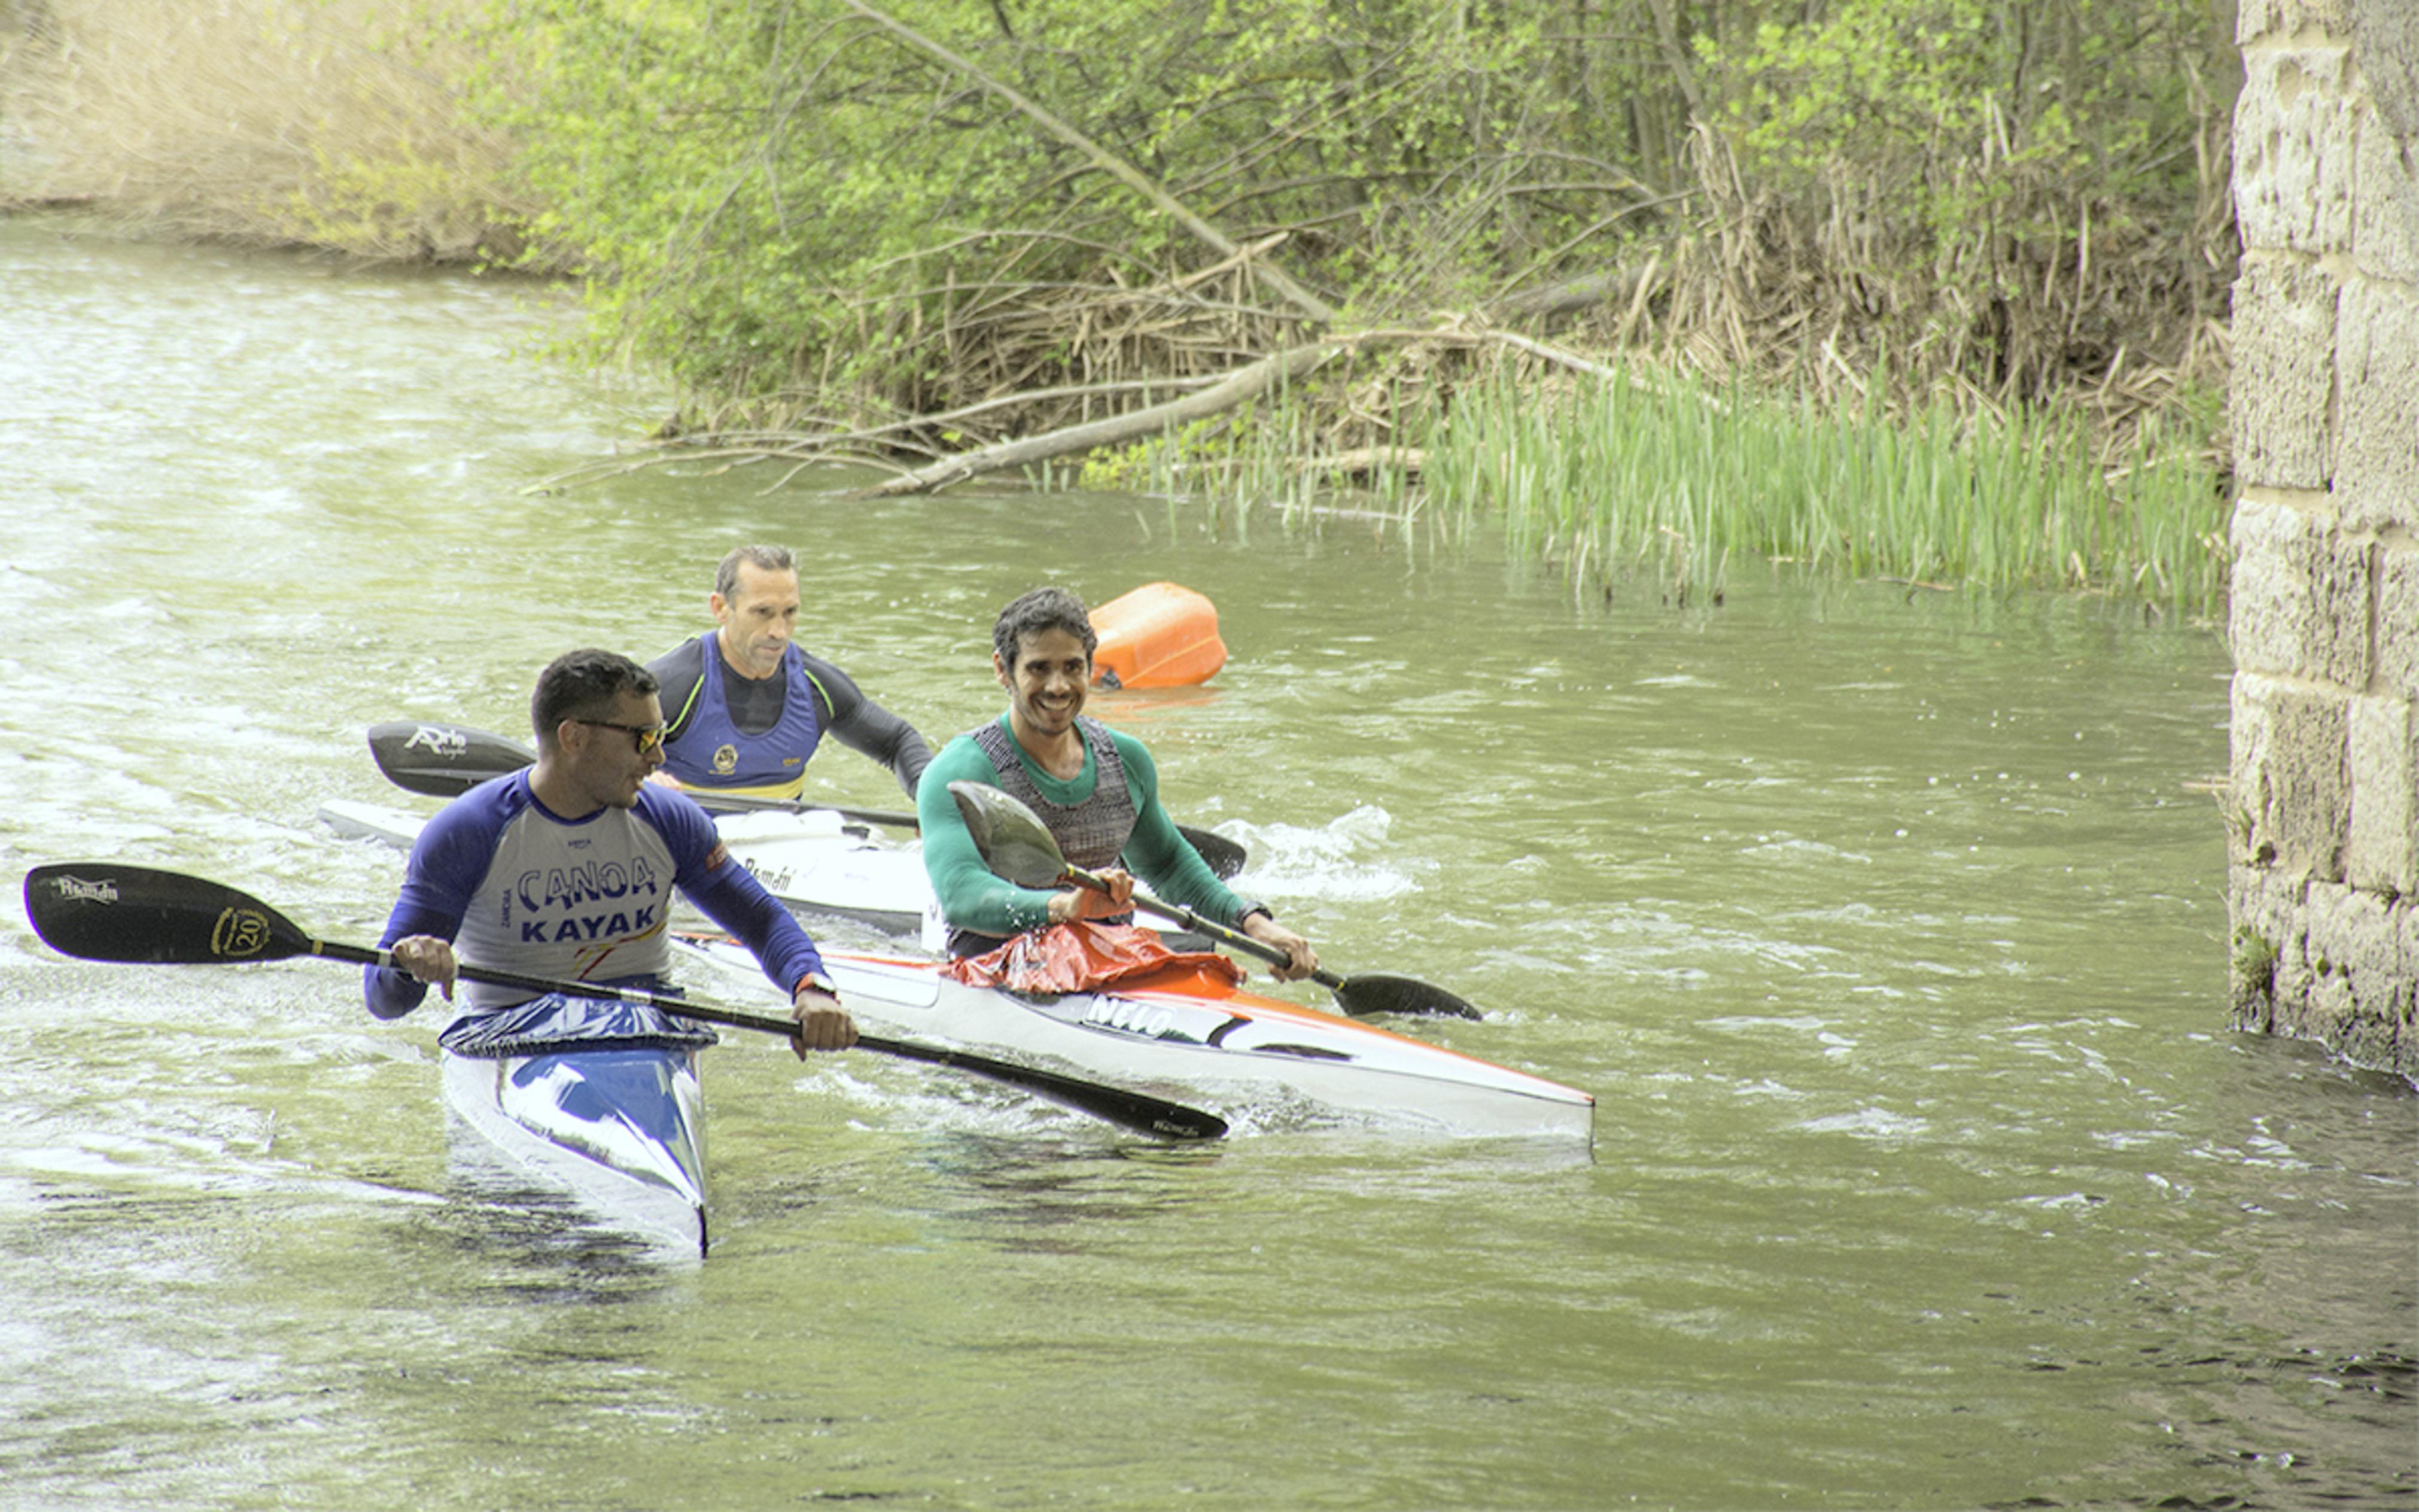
1889,932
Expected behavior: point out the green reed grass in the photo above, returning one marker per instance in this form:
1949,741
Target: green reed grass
1656,478
1666,476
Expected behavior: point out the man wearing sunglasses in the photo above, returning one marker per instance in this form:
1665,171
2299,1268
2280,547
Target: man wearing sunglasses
749,708
565,869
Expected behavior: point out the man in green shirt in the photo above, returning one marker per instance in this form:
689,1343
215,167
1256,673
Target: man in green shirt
1095,787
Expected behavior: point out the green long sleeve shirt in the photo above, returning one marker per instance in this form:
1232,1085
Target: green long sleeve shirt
972,896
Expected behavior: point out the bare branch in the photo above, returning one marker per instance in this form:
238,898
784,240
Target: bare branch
1101,158
1235,388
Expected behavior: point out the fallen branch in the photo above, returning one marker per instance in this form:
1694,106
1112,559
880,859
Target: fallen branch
1233,390
1360,459
1214,396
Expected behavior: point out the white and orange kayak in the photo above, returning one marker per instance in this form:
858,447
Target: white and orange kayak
1189,1034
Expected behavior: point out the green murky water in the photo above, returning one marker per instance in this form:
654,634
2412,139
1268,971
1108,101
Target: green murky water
1889,932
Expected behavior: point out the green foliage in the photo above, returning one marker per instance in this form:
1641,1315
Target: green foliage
1624,471
1212,443
772,198
1646,476
2251,980
807,219
1957,114
401,203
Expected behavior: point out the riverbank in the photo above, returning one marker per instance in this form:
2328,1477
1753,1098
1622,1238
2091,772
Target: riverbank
1974,414
1639,480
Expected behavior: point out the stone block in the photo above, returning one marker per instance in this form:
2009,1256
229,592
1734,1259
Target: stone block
2299,594
2267,902
2375,465
2295,149
2256,21
2264,908
2397,617
2289,791
2385,46
2362,994
2349,936
2402,924
2377,1041
2381,758
2385,202
2280,403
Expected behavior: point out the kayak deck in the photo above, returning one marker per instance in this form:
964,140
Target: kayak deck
622,1130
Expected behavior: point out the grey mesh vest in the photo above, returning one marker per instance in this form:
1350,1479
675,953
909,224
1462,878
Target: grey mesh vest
1092,834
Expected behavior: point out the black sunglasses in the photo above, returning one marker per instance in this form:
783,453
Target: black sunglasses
649,736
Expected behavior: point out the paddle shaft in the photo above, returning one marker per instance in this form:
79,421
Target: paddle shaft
671,1003
1357,995
1224,857
1019,847
445,760
1135,1109
108,911
1224,935
888,818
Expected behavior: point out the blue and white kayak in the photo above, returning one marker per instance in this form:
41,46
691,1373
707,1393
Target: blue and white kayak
820,866
599,1098
621,1131
1194,1036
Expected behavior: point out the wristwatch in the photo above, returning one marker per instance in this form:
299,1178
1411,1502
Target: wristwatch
819,983
1250,906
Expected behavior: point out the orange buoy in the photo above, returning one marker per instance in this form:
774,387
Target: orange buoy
1158,635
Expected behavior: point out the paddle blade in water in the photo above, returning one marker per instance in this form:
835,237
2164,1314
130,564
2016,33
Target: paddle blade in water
1012,838
1377,992
443,761
1225,857
103,911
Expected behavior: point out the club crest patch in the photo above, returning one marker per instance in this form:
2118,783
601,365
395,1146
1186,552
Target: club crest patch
239,932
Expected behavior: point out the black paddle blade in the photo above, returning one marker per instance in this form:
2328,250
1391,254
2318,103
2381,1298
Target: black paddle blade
1013,840
1139,1111
1225,857
1377,992
104,911
443,761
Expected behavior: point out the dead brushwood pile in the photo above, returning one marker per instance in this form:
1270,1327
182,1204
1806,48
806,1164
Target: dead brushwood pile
1743,288
950,241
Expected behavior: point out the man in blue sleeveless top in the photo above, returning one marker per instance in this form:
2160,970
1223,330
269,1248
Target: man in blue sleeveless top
749,707
565,869
1095,787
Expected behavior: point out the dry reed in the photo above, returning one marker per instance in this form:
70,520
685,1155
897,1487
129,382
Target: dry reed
259,122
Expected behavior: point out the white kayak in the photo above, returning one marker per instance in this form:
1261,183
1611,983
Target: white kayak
1192,1036
818,865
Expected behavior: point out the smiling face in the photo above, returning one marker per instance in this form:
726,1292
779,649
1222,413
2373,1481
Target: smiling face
756,620
1047,685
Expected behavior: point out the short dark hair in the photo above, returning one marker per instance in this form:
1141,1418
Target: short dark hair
584,684
763,558
1044,609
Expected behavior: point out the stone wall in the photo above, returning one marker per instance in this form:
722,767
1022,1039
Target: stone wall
2323,805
